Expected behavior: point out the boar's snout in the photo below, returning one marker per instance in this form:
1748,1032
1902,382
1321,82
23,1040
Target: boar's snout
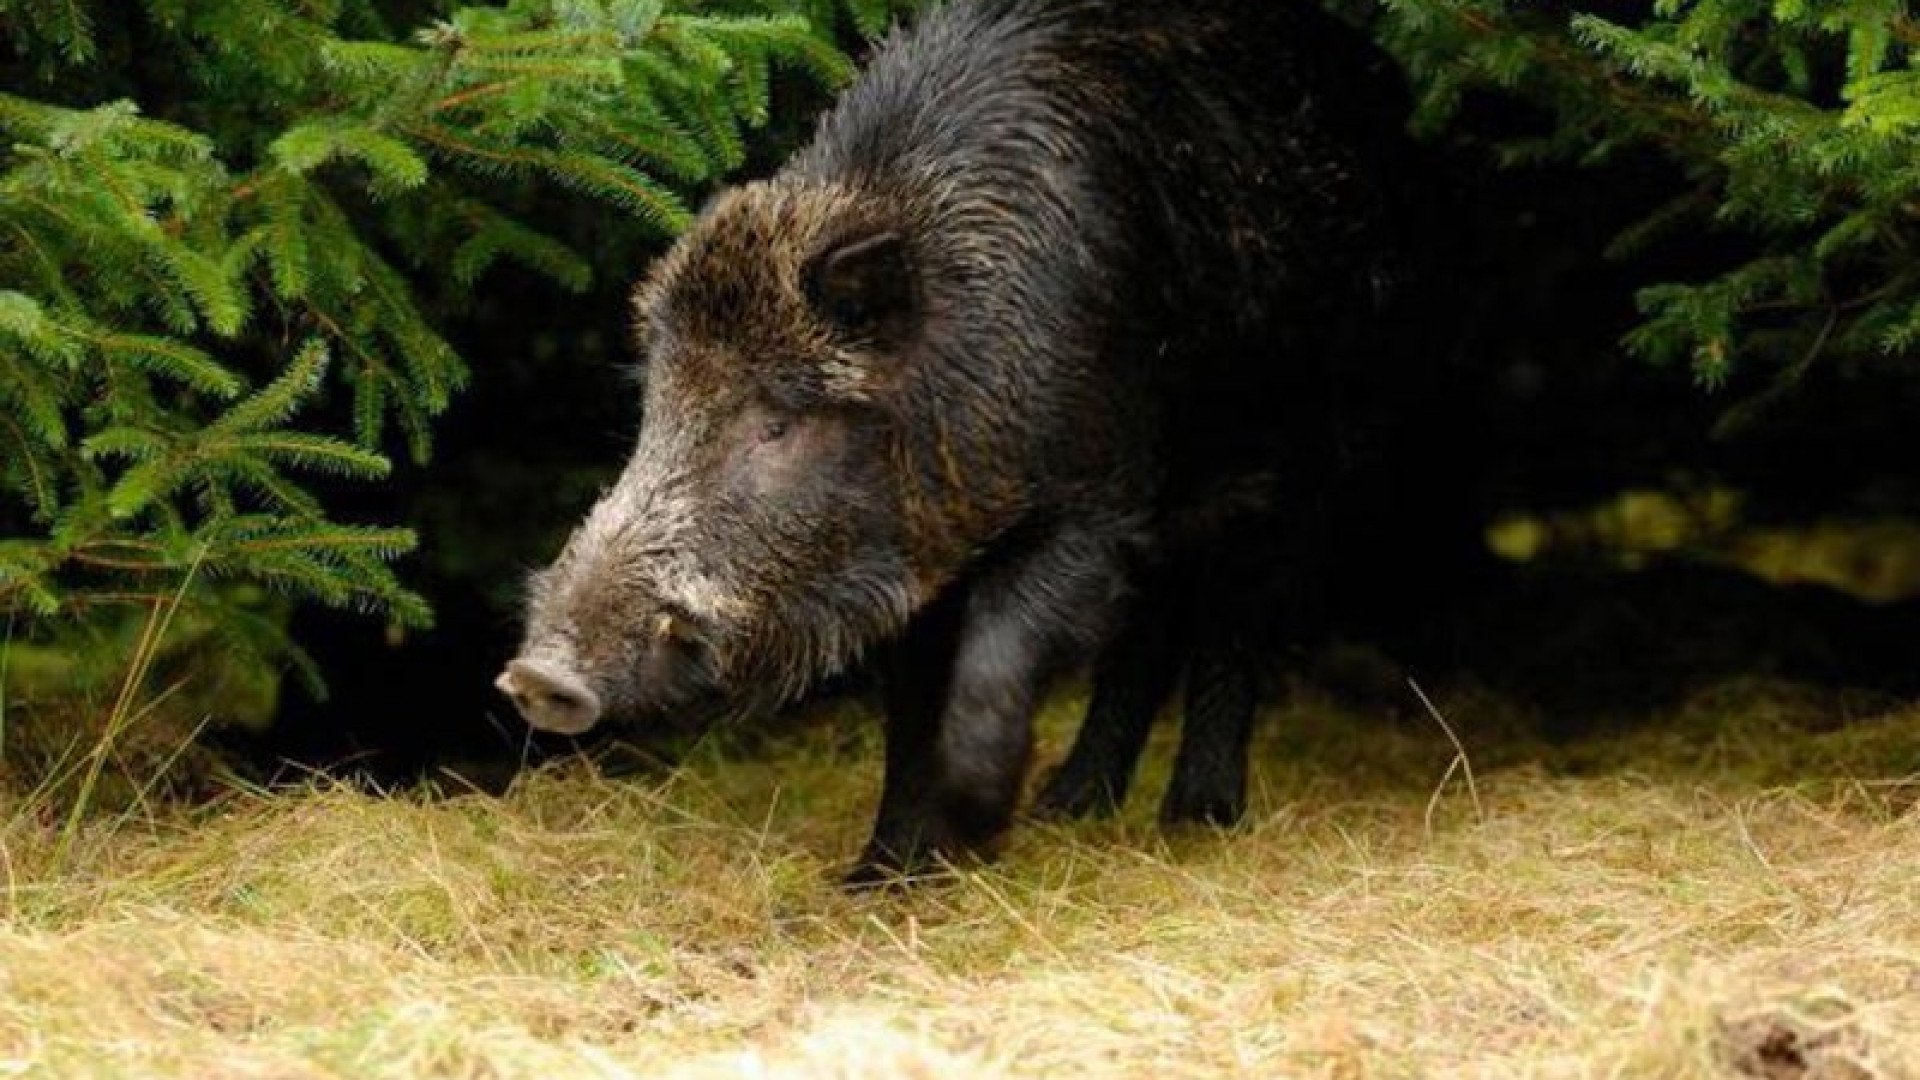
573,674
551,699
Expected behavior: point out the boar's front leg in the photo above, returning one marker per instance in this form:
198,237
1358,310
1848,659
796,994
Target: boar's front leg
963,687
914,682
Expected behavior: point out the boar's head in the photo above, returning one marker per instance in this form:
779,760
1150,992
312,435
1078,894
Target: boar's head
810,469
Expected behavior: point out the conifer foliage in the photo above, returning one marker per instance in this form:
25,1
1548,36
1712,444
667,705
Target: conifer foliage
217,218
1796,125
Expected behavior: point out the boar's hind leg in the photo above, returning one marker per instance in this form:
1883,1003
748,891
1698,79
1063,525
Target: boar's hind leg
960,732
1132,677
1209,783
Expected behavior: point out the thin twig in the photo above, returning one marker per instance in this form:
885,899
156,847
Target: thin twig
1460,759
454,101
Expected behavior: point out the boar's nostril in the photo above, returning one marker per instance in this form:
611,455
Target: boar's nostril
551,699
563,700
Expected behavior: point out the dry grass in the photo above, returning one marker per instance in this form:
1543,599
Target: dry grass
1734,894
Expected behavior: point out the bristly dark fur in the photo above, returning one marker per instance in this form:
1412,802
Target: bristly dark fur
1046,267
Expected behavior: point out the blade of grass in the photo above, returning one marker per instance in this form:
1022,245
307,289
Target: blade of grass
159,620
6,654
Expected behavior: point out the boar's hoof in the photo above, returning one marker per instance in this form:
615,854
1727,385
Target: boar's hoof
870,876
1071,793
879,868
1185,805
930,856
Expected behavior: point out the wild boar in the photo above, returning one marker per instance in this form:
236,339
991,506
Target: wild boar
926,395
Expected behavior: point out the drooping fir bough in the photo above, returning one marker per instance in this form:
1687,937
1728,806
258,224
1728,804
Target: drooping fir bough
1796,124
218,219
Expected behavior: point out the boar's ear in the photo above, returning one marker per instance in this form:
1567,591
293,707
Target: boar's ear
864,286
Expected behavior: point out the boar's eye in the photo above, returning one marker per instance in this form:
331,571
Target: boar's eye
776,451
763,427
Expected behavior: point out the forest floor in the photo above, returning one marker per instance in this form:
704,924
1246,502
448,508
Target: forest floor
1732,890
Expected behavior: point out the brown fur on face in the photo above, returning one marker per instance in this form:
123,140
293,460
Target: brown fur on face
734,292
